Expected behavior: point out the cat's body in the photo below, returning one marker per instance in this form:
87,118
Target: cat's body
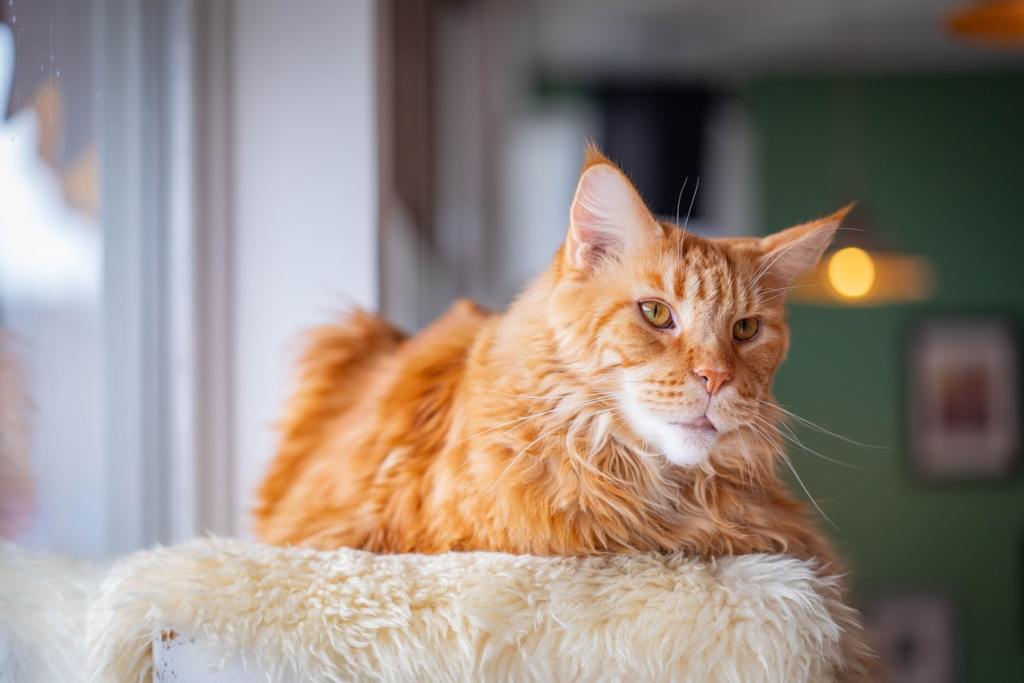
618,406
418,458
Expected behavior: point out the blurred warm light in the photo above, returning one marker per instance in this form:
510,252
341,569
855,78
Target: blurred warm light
998,21
857,277
851,272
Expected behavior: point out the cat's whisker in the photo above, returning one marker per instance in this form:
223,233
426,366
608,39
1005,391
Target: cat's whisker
766,441
544,435
556,397
634,461
789,463
520,454
763,434
746,458
519,421
803,486
762,438
792,437
819,428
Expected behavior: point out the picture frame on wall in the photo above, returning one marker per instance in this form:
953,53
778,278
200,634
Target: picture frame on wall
915,636
963,398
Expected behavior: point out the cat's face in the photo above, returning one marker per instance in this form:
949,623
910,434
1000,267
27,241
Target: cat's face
684,334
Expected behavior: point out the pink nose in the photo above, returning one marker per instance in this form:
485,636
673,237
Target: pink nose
713,379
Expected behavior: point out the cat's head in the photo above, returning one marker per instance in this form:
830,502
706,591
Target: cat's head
683,333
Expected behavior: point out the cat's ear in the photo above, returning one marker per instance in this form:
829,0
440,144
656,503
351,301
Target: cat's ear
790,253
607,214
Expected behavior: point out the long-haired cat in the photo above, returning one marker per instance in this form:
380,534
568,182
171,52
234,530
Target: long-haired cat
622,404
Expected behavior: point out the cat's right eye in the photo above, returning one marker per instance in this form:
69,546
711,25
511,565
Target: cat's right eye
657,314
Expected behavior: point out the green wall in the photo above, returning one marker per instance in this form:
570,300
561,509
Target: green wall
939,163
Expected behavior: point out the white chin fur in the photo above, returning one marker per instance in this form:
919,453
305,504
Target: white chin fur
685,447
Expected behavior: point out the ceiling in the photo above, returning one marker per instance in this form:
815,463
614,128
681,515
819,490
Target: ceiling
741,38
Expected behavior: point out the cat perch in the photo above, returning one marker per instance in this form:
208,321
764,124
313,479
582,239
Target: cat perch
220,610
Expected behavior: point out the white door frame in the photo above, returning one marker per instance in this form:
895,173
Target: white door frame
195,353
163,76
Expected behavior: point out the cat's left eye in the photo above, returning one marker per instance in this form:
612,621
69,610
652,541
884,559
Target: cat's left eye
657,314
744,329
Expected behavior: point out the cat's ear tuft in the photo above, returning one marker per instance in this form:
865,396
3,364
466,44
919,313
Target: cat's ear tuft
607,215
592,156
790,253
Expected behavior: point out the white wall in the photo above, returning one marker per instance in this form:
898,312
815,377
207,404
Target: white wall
304,164
542,153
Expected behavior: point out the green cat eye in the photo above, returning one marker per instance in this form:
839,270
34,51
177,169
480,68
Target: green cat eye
744,329
657,314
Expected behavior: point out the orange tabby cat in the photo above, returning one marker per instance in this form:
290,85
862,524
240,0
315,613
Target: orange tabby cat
621,404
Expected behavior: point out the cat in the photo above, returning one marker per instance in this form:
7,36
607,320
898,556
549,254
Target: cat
622,404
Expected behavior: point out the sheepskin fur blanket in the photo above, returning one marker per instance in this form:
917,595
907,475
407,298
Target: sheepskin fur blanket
303,615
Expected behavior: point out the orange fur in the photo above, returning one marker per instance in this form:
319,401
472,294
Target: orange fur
513,432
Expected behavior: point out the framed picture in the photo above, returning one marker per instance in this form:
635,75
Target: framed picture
963,395
915,637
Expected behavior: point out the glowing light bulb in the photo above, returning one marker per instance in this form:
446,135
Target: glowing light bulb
851,272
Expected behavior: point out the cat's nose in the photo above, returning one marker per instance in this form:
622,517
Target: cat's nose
713,379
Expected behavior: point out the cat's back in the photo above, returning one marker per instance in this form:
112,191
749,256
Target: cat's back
361,387
420,382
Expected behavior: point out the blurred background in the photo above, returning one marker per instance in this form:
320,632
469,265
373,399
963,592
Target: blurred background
186,185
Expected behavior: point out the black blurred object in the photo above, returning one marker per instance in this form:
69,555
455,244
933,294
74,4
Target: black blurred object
656,133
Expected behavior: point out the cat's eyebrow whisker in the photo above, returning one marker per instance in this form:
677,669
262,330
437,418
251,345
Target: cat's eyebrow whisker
679,199
765,267
787,288
776,292
773,297
779,292
693,198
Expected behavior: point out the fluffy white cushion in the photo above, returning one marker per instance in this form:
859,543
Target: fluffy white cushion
304,615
